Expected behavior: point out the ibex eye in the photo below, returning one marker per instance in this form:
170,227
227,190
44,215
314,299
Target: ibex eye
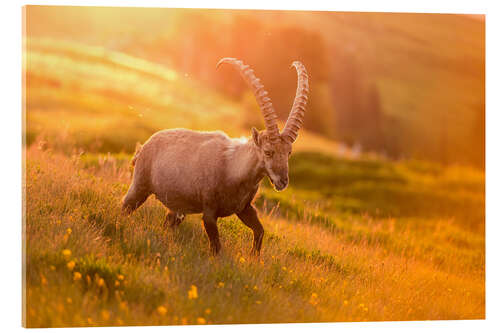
269,153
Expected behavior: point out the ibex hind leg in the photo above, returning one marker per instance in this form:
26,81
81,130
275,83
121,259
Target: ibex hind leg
173,219
133,199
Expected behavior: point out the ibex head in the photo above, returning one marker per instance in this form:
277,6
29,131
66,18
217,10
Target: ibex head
274,148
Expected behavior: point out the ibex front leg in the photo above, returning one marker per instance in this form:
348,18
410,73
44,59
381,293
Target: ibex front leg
251,220
210,223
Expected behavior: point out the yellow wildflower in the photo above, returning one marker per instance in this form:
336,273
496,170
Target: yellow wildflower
70,265
161,310
66,253
123,306
314,299
242,260
221,285
68,231
105,314
201,321
77,276
208,311
101,282
193,292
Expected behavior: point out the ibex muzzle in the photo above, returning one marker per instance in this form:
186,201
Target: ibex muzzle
275,156
207,172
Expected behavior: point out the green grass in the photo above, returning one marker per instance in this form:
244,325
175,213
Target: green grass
389,189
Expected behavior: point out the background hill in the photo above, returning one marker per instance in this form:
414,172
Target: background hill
405,85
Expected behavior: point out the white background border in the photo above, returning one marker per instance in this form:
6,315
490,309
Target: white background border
10,172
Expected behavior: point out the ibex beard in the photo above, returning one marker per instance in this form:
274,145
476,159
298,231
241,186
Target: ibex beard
193,172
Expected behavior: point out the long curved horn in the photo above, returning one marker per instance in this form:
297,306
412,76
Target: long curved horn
296,117
261,95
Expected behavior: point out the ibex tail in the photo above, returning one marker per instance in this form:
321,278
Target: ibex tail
138,148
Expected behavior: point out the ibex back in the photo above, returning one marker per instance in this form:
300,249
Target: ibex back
207,172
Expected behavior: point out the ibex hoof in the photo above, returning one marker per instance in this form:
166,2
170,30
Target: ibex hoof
255,252
215,250
173,219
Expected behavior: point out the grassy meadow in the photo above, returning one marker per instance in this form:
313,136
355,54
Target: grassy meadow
353,238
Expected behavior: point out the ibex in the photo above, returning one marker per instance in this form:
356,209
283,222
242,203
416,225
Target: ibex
194,172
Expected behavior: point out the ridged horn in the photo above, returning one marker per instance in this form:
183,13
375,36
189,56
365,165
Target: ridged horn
261,95
296,117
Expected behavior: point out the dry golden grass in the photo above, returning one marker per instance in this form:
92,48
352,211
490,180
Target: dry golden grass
89,265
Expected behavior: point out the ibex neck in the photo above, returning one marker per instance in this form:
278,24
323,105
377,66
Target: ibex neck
243,163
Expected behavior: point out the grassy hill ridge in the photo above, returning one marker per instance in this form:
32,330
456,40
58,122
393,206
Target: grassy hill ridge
85,88
106,101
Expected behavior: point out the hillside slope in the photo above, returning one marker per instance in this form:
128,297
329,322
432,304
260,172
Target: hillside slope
108,98
106,101
347,241
429,70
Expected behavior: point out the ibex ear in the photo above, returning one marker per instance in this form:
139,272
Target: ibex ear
255,136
